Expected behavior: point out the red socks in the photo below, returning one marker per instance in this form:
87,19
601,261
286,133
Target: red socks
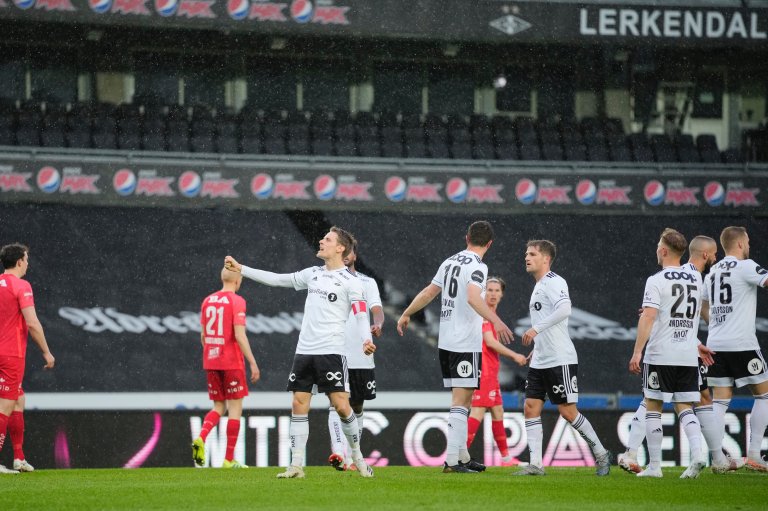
500,435
3,428
472,426
16,432
233,430
211,419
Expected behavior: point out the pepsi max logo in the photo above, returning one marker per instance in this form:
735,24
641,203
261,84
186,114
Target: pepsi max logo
166,8
654,193
124,182
190,184
100,6
302,11
48,179
395,188
586,192
24,4
238,9
262,186
714,193
525,191
456,190
324,187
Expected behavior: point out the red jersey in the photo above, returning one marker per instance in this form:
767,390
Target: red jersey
219,314
15,294
490,358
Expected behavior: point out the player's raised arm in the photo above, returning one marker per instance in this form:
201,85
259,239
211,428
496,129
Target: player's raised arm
267,278
477,302
37,334
421,300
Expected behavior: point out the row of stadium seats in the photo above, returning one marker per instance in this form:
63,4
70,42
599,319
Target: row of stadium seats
251,131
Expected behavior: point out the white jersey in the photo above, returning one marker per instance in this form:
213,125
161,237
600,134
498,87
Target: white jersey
356,359
461,328
552,347
731,290
675,292
330,294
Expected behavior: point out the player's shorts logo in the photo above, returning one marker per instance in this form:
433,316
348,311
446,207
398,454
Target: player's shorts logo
574,384
332,297
331,376
464,369
292,377
755,366
558,389
653,380
371,385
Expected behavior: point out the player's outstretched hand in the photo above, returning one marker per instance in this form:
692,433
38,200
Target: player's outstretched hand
705,354
231,264
376,330
528,336
49,360
255,373
368,347
520,359
505,334
634,363
402,324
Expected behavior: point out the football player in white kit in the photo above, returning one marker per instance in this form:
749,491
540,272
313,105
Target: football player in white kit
731,291
460,282
362,376
668,325
554,364
319,362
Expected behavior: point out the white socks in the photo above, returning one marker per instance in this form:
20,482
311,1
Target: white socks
693,431
352,432
299,433
758,421
654,436
338,440
710,432
587,432
637,430
535,437
457,436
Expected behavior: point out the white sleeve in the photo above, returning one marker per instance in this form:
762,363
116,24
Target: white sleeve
560,313
477,277
652,294
754,273
268,278
439,277
372,295
360,310
557,292
707,286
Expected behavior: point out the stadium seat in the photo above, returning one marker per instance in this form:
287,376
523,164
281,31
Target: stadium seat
708,150
227,133
482,137
298,137
460,138
663,150
30,120
79,126
618,148
321,130
367,134
613,126
274,129
527,133
733,156
344,134
575,151
129,127
414,138
153,128
202,130
391,135
7,123
530,150
251,130
53,126
177,129
641,149
436,133
686,149
104,126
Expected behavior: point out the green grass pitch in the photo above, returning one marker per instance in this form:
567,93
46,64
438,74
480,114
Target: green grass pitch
393,488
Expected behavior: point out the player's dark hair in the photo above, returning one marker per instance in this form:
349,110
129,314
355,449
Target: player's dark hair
11,254
674,241
480,233
731,235
346,240
546,247
499,280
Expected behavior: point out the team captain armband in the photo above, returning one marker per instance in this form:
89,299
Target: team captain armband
358,307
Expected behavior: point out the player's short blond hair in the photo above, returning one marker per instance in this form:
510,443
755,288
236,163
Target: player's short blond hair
674,241
732,235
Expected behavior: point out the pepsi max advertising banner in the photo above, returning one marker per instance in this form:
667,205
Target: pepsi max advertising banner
507,190
456,20
56,439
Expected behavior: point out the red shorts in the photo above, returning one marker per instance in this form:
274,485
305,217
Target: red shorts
488,395
11,374
227,384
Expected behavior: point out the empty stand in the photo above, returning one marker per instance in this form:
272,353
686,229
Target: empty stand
707,145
